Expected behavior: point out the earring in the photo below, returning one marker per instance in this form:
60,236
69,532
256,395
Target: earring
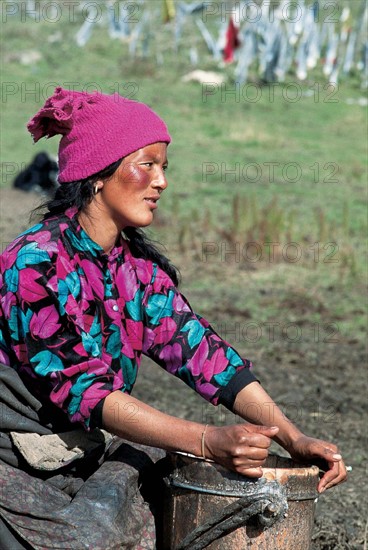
96,189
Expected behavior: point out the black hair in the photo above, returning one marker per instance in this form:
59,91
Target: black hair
80,194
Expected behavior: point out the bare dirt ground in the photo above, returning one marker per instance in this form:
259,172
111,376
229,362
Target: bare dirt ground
330,402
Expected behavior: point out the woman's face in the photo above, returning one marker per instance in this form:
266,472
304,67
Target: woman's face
131,195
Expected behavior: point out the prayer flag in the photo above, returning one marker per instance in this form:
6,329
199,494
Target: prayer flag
168,10
232,41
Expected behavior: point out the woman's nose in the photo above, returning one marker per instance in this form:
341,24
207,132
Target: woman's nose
160,180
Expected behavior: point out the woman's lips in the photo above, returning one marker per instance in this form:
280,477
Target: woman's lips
152,201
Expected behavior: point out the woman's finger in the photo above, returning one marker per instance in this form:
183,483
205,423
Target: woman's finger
335,475
250,472
250,453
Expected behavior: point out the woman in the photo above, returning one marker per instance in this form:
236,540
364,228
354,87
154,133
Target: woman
84,294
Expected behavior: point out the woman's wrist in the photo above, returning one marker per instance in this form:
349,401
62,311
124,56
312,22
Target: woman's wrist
256,406
287,436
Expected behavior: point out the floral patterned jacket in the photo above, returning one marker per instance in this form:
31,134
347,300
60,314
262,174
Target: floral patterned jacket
75,321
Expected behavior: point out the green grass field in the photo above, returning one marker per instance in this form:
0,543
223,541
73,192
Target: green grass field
265,215
253,164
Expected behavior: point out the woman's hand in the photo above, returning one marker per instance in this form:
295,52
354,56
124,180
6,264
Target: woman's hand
242,448
301,447
323,454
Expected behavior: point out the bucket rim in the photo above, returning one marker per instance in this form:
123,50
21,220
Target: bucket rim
212,478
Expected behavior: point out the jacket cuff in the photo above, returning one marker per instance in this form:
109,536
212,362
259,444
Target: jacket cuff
96,415
228,394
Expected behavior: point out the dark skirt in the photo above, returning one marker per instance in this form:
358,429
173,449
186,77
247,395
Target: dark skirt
108,499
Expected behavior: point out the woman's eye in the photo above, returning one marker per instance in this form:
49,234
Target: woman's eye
165,168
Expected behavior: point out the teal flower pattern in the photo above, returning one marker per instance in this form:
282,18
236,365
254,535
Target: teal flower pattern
79,320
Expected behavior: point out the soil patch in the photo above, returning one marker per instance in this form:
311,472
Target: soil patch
324,392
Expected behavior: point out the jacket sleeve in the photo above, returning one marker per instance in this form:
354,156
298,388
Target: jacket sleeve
57,346
186,345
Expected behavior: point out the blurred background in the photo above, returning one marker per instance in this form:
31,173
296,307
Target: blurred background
265,213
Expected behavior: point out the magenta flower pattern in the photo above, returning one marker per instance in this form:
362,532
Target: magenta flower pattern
75,321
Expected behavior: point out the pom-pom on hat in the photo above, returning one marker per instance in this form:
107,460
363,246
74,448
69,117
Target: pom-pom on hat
97,130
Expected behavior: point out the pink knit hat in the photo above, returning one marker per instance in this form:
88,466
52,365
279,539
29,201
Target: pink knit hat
97,130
